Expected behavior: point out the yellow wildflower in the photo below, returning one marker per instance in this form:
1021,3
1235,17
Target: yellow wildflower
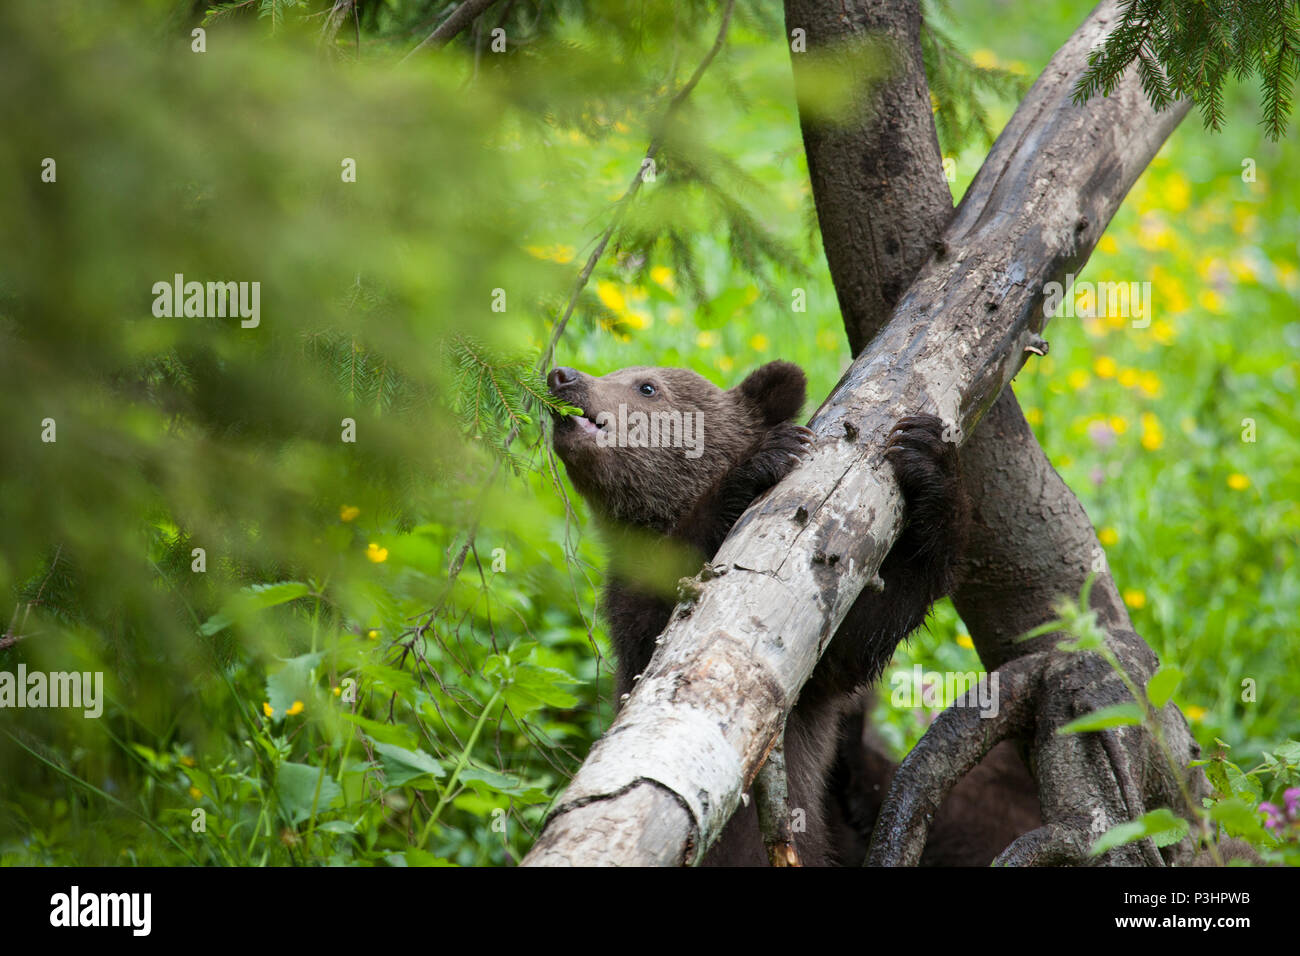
1286,274
1243,220
1105,367
1238,482
1177,192
1134,598
1211,301
1154,234
376,554
1242,268
963,640
1153,435
759,343
1108,536
611,296
268,709
555,253
1167,289
295,709
1078,379
1210,267
348,512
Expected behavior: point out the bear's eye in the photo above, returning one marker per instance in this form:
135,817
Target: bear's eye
647,389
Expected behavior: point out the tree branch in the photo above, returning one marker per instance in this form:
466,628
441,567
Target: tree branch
449,29
1031,541
733,659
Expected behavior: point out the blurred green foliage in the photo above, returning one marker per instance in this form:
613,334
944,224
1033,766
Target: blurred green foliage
324,690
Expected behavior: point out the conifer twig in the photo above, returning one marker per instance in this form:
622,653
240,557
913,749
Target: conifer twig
620,210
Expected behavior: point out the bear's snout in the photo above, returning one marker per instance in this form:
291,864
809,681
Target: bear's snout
562,377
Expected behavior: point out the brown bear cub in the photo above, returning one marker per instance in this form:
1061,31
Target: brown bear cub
668,462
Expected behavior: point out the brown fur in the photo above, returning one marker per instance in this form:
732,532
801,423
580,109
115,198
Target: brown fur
664,513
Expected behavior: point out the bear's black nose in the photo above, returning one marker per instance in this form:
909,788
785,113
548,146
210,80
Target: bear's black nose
561,377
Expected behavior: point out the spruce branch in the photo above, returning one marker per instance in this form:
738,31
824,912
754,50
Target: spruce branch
1187,48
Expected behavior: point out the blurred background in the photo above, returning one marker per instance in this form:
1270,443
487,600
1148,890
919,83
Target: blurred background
342,598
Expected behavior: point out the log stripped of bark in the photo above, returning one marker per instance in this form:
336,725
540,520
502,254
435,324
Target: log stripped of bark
882,202
658,787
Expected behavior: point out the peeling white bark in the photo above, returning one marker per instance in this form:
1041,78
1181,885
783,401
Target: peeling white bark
661,783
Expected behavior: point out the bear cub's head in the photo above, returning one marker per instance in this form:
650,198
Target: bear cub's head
651,442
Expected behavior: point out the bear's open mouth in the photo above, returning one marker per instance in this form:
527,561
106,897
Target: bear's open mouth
585,422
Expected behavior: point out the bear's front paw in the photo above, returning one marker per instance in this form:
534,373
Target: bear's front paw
923,461
936,509
779,453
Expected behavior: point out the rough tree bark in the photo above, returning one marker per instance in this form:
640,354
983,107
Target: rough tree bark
882,203
658,787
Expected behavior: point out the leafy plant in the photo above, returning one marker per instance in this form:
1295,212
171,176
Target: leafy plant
1235,807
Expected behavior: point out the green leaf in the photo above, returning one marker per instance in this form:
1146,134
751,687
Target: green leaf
398,735
292,682
1218,774
401,766
1243,784
520,651
1289,752
337,826
535,687
386,681
1162,826
1118,715
251,599
1161,686
418,857
296,784
482,780
1239,818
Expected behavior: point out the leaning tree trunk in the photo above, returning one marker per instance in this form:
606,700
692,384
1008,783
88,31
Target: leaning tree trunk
882,204
662,782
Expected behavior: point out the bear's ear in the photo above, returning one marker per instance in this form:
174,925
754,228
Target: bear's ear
777,390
